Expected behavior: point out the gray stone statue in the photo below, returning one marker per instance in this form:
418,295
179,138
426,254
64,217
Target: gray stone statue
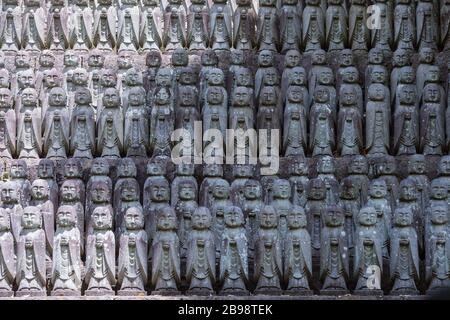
426,64
381,35
282,204
8,257
105,24
444,25
156,197
151,26
98,174
268,26
336,25
126,179
220,30
128,27
377,121
350,203
197,26
358,169
244,22
290,25
251,209
432,120
358,33
322,132
427,22
73,171
295,115
161,123
82,126
7,125
174,35
81,26
349,127
313,26
57,26
29,134
18,173
299,180
315,209
404,25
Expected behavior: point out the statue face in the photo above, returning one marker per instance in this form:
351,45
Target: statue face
402,217
100,167
108,79
348,96
101,218
367,216
271,78
45,169
378,189
221,190
426,55
166,219
334,216
408,190
375,56
186,192
252,190
9,193
52,78
417,165
326,165
159,192
296,218
265,58
389,166
433,75
72,169
376,92
321,95
432,94
40,189
237,57
400,58
4,79
244,78
378,75
31,218
69,191
100,193
70,59
66,216
5,223
233,217
407,75
242,171
241,96
407,95
297,76
47,59
351,75
209,58
269,218
444,165
180,57
201,219
346,58
96,59
326,77
439,214
22,60
83,96
130,192
282,189
187,77
153,59
299,167
137,98
318,57
164,77
162,96
348,190
215,77
124,61
80,77
134,219
213,170
19,169
127,168
317,190
26,79
111,98
29,97
5,98
268,96
292,58
438,190
359,165
187,97
214,95
133,78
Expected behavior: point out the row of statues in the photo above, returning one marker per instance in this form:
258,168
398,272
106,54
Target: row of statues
307,25
262,235
84,112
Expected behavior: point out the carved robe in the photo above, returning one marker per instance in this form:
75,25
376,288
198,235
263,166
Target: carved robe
7,262
132,264
151,28
82,132
56,133
166,273
7,134
110,133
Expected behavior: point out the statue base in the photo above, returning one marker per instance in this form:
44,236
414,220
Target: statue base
369,292
165,292
6,294
99,292
234,292
298,292
131,293
268,291
404,292
65,293
333,292
200,292
30,293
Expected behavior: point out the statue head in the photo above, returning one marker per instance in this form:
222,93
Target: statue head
378,189
153,59
26,79
237,57
5,221
71,59
221,189
403,216
127,168
326,77
346,58
180,57
187,96
416,164
46,169
408,190
350,75
83,96
80,77
444,166
22,59
242,96
316,189
433,75
215,77
426,55
348,190
31,218
124,60
188,76
19,169
130,191
318,57
348,96
96,59
214,95
268,96
100,167
296,218
213,170
334,216
438,189
378,75
407,95
133,77
136,96
69,191
407,75
292,58
265,59
209,58
201,219
159,190
5,79
367,216
326,165
72,168
243,171
269,218
166,219
439,214
271,77
431,93
102,218
388,166
156,169
244,78
52,78
6,101
111,98
297,76
100,192
281,189
299,167
187,190
10,192
66,216
233,217
162,96
377,92
134,219
29,97
252,190
164,77
400,58
47,59
185,169
321,94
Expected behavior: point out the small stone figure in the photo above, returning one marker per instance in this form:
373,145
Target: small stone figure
268,36
132,262
244,22
252,209
241,174
377,121
350,203
404,266
233,254
313,26
297,254
387,170
174,36
336,25
105,23
81,22
417,171
349,131
7,255
74,172
268,254
151,26
19,174
200,264
7,125
368,253
315,209
31,269
220,25
156,197
82,126
322,133
404,25
359,34
219,202
295,115
358,170
382,34
432,121
333,253
161,123
197,26
211,174
427,24
282,204
67,265
99,174
136,131
444,25
166,274
11,205
290,25
426,63
128,28
29,141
